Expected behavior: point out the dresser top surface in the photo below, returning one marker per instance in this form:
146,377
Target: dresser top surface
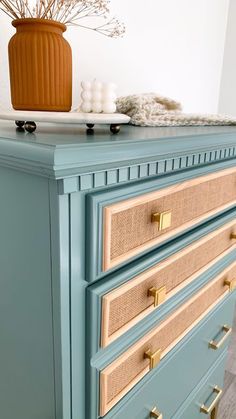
65,135
60,150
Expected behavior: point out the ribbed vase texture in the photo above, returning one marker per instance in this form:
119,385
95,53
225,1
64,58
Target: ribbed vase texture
40,63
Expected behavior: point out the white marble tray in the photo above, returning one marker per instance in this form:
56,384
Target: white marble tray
27,119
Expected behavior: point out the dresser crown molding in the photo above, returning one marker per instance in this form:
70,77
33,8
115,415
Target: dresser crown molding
82,162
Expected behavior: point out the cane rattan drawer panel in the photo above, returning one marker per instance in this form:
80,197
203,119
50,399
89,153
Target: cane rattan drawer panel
136,224
128,304
126,371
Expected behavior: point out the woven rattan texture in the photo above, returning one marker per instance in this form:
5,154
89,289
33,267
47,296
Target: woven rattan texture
131,366
135,300
132,227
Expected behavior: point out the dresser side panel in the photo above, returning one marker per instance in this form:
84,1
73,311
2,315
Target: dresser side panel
26,330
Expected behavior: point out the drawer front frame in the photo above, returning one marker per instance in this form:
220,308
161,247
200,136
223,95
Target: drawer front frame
97,201
155,388
142,200
140,279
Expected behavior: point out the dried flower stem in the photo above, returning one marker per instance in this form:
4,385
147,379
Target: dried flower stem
69,12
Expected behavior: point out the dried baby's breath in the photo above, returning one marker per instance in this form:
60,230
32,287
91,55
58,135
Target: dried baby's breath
69,12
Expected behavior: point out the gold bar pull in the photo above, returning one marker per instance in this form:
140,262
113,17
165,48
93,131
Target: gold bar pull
163,219
233,235
155,414
216,345
208,410
154,357
231,283
159,295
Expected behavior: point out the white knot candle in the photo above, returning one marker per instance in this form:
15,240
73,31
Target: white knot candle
98,97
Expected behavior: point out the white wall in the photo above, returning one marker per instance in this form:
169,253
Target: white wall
227,99
174,47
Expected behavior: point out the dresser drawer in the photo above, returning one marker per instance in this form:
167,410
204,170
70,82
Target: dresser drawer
134,225
126,371
126,305
207,395
142,405
180,371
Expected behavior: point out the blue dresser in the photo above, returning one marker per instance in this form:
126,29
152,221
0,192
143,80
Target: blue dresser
117,271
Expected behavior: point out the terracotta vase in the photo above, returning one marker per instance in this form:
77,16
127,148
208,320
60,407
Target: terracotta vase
40,63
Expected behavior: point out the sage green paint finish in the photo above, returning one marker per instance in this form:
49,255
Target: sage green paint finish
50,366
79,326
179,372
61,309
27,388
62,152
34,299
203,394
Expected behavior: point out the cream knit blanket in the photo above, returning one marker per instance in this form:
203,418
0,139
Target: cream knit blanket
153,110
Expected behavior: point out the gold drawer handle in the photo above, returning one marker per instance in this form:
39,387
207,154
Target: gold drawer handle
208,410
233,236
159,295
163,219
155,414
231,283
214,345
154,357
